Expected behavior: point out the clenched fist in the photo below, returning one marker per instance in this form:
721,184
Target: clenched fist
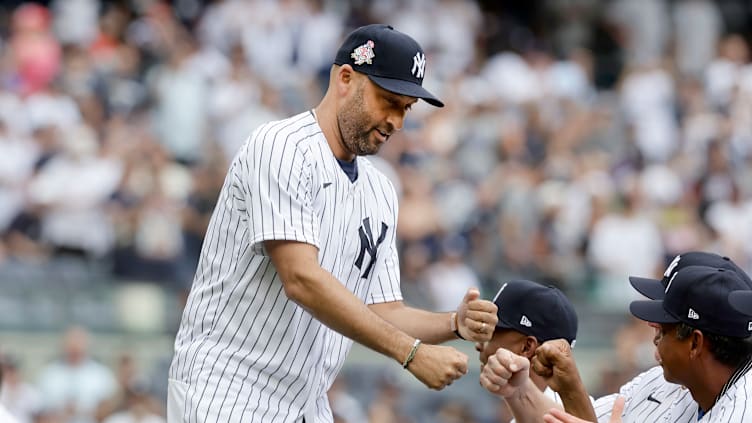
438,366
504,373
554,362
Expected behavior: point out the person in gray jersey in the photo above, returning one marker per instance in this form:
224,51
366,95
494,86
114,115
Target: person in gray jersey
300,258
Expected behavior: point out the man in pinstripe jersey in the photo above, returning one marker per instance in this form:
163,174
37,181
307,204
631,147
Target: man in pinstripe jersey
702,345
300,258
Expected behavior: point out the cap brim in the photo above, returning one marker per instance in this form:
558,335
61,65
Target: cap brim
741,301
410,89
650,288
651,311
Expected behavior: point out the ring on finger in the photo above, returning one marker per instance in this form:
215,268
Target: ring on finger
483,327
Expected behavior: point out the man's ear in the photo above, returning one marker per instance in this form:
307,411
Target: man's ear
529,347
697,343
345,76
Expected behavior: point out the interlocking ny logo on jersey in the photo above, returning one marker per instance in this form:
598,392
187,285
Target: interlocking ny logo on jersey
419,65
367,246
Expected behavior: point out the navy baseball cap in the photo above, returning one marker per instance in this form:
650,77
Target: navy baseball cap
699,297
741,301
536,310
392,60
654,289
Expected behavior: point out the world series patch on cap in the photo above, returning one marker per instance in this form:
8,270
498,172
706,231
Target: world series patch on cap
392,60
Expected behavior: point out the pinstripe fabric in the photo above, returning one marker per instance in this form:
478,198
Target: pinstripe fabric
649,398
248,353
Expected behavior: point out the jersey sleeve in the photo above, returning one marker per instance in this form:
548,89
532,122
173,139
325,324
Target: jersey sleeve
275,177
604,405
385,281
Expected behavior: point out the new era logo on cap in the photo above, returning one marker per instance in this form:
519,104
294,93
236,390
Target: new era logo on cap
693,315
526,322
749,326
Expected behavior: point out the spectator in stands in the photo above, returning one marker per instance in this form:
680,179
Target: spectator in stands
75,384
19,397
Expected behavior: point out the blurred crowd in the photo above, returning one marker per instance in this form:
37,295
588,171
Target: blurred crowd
582,141
77,388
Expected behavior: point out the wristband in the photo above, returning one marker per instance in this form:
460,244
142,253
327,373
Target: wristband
410,356
453,325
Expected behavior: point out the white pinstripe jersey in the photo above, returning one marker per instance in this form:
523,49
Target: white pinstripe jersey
247,352
649,398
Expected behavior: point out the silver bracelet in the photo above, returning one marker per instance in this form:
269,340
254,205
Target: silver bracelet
410,356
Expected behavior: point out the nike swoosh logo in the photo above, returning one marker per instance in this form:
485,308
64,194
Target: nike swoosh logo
326,184
652,398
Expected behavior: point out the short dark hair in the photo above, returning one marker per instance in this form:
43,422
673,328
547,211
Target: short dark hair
728,350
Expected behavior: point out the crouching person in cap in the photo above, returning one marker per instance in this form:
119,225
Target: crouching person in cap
529,314
704,353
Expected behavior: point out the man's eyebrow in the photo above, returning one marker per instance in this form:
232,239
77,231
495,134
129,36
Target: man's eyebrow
400,99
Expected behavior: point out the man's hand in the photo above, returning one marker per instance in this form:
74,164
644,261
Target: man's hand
559,416
438,366
504,373
554,362
476,318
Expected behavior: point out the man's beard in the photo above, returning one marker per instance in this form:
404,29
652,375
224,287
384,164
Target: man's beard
355,128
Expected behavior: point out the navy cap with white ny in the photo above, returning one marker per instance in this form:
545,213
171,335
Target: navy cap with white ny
699,297
654,288
392,60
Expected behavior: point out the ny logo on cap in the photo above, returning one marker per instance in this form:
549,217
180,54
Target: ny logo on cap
669,282
525,321
363,54
749,326
670,268
499,293
419,65
693,315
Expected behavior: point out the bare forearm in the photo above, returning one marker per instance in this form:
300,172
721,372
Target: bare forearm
432,328
577,403
331,303
529,404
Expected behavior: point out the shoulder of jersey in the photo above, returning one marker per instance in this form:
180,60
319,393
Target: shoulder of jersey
292,125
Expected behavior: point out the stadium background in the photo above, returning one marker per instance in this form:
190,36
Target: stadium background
583,141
